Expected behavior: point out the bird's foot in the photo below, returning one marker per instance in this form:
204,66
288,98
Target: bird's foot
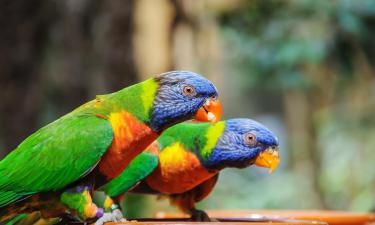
200,216
79,202
114,216
67,218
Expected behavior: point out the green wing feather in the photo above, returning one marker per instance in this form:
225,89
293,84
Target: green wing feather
139,168
54,156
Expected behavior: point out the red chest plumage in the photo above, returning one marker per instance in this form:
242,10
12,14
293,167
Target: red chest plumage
131,137
178,171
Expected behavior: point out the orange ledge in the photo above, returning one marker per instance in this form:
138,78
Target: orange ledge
262,217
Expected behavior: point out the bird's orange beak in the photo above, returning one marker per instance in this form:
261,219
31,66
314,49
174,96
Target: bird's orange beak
269,158
210,112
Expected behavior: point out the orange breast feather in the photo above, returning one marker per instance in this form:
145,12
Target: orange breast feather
131,137
178,171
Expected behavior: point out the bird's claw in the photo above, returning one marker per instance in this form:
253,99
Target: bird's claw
114,216
117,214
201,216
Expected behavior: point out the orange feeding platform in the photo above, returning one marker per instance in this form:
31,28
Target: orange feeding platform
261,217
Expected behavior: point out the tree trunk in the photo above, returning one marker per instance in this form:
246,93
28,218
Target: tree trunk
23,34
56,55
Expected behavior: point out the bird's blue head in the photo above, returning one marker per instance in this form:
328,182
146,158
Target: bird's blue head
180,95
244,142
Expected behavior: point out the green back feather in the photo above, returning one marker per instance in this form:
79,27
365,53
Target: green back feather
191,135
199,138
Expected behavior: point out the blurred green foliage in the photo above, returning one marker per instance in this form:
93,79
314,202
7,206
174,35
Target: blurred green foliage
324,51
272,41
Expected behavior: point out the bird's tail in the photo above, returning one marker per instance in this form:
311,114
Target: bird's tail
47,203
34,218
7,197
16,219
15,209
7,214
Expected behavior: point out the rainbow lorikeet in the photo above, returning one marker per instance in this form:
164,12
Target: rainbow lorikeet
97,141
185,161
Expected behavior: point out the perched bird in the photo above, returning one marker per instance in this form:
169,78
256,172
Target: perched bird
185,161
94,143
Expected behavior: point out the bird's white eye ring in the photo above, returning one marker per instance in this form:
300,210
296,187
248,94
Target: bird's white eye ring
214,98
188,90
249,138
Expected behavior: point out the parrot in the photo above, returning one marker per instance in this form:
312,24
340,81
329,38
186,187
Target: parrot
94,143
183,164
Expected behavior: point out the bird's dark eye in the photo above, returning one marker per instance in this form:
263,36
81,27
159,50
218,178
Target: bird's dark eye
188,90
250,139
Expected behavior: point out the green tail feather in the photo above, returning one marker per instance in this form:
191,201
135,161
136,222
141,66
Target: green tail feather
7,197
31,219
16,219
